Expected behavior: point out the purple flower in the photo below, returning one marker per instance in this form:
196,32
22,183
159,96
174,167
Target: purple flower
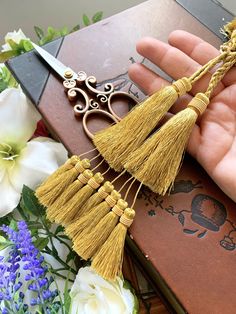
24,251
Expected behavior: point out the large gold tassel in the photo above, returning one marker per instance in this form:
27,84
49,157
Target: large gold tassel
56,208
47,194
72,229
108,261
91,242
68,211
88,222
118,141
156,163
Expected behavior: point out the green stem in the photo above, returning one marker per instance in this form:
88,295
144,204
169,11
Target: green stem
49,251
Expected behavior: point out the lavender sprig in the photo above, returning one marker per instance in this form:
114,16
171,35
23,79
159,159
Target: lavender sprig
24,256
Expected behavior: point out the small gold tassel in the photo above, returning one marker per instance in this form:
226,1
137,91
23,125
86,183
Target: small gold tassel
68,211
56,208
72,229
96,199
89,221
49,193
108,261
156,163
70,163
90,243
118,141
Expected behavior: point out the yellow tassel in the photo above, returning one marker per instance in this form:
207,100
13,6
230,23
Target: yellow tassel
48,193
56,208
69,210
157,161
108,261
118,141
95,199
90,243
69,164
72,229
86,223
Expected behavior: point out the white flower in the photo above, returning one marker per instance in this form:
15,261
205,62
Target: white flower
91,294
16,36
22,161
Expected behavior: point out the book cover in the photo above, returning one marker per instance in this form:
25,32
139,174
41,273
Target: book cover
185,242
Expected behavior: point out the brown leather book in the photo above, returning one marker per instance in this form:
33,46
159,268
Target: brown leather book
184,242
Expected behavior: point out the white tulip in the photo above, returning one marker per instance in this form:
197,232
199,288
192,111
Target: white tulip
22,162
16,36
91,294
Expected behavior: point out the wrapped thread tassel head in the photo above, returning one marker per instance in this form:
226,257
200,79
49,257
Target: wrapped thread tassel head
48,194
118,141
156,163
108,261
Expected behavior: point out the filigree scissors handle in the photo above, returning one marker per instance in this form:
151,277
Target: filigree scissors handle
80,85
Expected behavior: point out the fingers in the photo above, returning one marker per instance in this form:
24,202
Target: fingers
199,50
149,82
173,61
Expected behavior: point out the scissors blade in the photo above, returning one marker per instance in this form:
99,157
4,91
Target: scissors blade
54,63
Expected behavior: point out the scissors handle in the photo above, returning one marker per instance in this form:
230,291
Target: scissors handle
94,101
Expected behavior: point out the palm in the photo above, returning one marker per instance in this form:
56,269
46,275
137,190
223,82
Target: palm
213,140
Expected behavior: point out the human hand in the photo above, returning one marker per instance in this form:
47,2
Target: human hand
213,140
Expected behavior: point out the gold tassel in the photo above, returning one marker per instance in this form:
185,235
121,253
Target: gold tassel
118,141
89,221
96,199
108,261
47,194
72,229
156,163
90,243
56,208
69,210
69,164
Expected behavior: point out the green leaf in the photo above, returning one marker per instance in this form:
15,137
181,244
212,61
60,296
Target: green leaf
41,243
70,256
13,45
31,203
86,20
39,32
59,229
13,225
64,31
3,86
75,28
27,46
5,55
97,17
4,243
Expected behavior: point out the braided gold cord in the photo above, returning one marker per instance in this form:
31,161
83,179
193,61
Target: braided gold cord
220,73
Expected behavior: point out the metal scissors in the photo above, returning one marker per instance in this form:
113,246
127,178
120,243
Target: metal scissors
80,85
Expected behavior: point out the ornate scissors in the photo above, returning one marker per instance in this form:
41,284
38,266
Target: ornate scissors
80,85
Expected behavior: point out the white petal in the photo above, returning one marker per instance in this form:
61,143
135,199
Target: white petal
36,162
9,197
18,117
